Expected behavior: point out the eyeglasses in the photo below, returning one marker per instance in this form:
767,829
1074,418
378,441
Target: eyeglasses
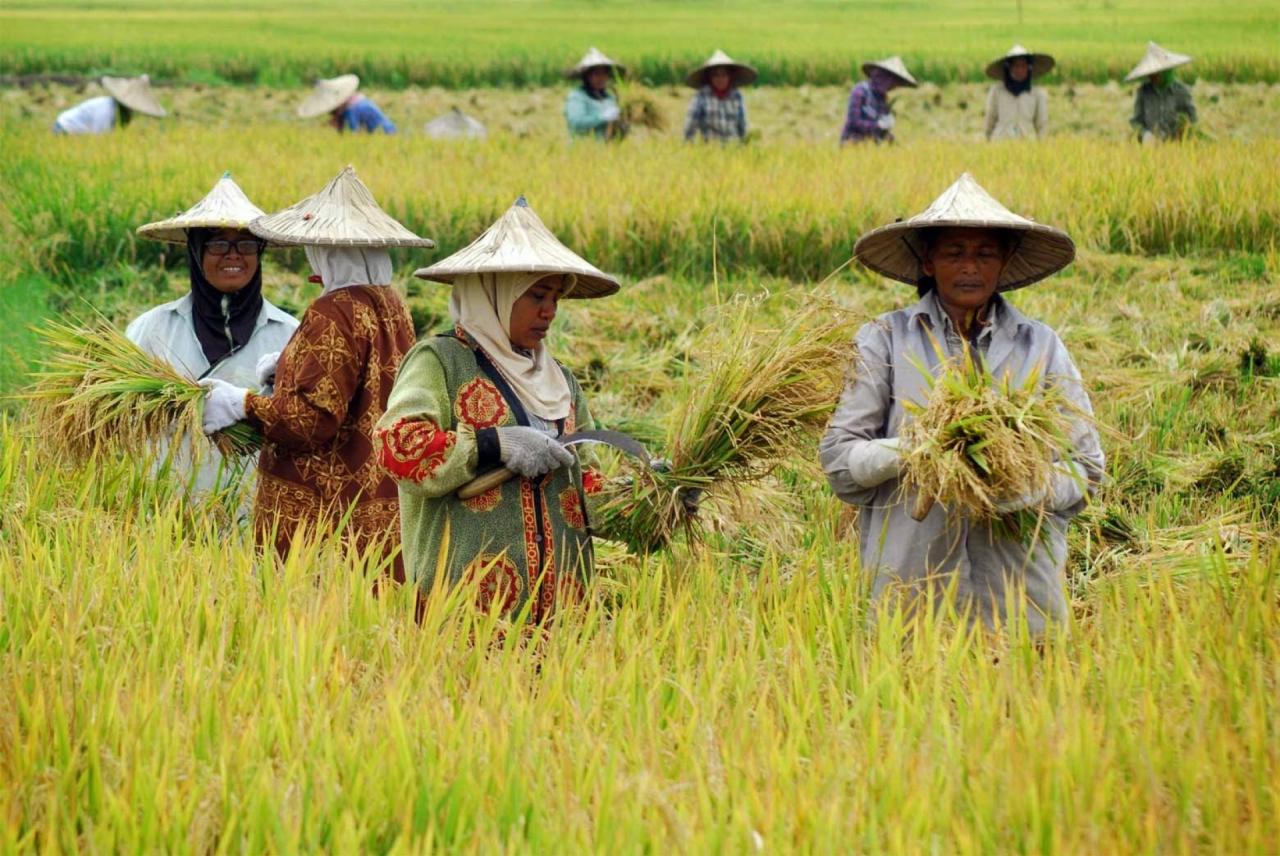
246,247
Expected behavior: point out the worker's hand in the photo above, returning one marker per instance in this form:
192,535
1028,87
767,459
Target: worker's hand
690,499
1148,138
530,452
224,404
265,370
874,462
610,112
885,122
1065,489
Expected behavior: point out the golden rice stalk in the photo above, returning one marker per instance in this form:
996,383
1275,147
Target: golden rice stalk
979,440
641,110
97,390
762,395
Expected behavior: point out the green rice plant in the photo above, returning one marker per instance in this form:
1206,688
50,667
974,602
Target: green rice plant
979,440
96,391
762,393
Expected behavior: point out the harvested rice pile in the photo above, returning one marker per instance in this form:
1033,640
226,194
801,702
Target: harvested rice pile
99,391
980,440
761,397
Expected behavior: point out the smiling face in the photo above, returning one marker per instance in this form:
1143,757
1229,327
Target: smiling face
231,272
966,265
1019,69
533,312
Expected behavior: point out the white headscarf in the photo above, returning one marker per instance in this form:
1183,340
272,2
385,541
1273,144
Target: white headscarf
339,267
481,305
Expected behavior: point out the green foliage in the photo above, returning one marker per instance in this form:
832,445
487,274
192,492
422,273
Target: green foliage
395,43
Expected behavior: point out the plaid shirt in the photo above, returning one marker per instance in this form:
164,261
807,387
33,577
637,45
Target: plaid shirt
865,107
716,118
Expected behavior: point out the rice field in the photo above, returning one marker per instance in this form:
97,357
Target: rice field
164,687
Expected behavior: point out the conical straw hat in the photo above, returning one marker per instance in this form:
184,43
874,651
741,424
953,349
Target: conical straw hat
455,125
343,214
329,95
593,58
1041,64
741,73
1157,60
519,242
895,66
134,93
225,207
897,249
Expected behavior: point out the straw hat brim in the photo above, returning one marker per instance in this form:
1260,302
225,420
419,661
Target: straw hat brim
896,250
327,99
1041,64
264,230
580,71
1146,68
174,230
137,97
906,81
588,285
739,74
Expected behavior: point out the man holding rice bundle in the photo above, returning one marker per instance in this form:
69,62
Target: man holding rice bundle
319,467
961,253
223,326
490,395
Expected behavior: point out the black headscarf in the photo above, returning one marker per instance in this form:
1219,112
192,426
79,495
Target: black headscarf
596,94
211,318
1014,87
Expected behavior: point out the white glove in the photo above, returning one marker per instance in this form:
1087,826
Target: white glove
885,122
610,112
223,404
1066,488
530,452
874,462
1148,138
265,370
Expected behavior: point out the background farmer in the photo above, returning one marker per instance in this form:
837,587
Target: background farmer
717,110
1162,109
223,326
487,395
591,108
347,108
1016,107
869,115
960,254
99,115
318,466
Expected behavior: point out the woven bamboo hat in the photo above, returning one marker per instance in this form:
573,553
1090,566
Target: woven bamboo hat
343,214
134,93
896,250
741,73
225,207
895,66
1041,64
593,58
1157,59
519,242
455,125
328,95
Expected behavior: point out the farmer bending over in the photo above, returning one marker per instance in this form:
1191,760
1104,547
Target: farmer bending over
348,109
125,96
960,254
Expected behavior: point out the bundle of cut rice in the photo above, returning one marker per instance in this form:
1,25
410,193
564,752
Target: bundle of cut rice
980,440
759,399
99,391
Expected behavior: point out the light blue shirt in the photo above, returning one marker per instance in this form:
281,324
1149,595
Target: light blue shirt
586,115
95,116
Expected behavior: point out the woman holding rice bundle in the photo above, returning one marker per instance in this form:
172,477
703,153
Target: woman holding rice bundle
1016,108
961,253
488,395
223,326
318,467
717,110
591,109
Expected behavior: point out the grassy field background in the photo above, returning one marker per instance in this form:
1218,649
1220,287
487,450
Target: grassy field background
513,42
163,686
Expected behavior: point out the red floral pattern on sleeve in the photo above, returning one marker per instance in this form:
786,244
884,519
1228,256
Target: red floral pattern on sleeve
413,449
480,404
592,481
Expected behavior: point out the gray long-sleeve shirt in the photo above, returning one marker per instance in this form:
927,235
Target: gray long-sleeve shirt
946,547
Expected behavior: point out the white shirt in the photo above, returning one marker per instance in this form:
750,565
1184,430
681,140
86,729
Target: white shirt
166,331
95,116
1021,116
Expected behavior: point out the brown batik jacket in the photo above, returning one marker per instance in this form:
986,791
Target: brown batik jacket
319,463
